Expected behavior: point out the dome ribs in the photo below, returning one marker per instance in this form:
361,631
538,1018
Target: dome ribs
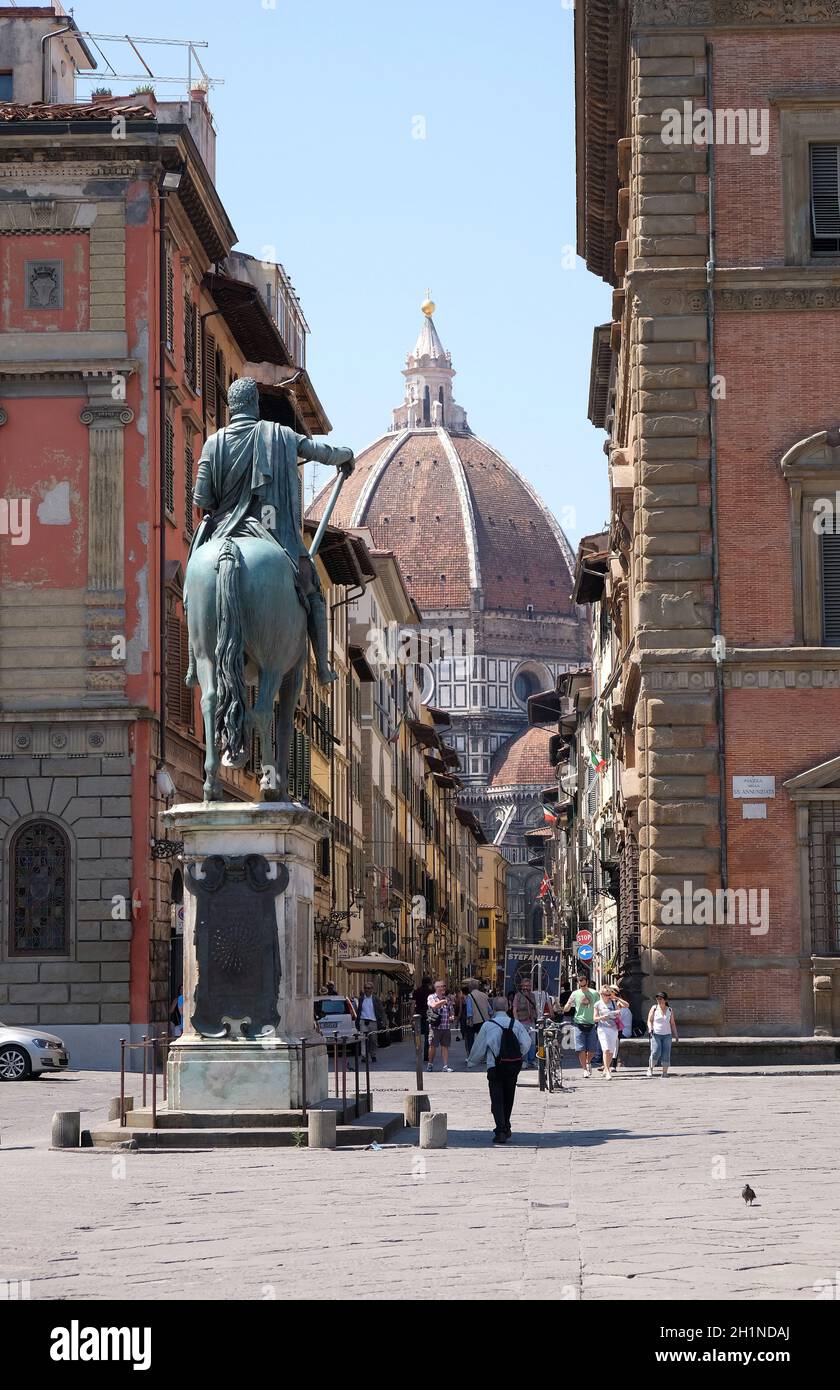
517,536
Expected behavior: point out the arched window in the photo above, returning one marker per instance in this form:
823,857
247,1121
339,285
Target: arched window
39,877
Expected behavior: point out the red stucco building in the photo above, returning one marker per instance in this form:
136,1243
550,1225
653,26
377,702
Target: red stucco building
123,319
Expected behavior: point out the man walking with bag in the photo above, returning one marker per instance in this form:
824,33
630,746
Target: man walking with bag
476,1011
525,1011
503,1043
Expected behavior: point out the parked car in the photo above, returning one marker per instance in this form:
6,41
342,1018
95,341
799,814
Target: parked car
26,1052
335,1016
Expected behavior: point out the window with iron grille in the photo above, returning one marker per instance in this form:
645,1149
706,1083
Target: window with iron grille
825,200
824,865
189,485
39,874
169,325
830,576
629,925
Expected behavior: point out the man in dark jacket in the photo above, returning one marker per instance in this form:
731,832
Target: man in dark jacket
371,1017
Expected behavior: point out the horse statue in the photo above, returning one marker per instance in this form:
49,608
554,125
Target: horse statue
251,591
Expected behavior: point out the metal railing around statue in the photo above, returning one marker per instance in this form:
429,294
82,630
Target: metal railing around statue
359,1049
152,1048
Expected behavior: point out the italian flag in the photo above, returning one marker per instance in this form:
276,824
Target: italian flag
549,816
597,762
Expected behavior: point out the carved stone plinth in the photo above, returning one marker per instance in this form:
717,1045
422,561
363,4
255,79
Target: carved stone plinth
248,955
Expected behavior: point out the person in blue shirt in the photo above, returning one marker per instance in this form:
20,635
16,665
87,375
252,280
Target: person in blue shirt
501,1076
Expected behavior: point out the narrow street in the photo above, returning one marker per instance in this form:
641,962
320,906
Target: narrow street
625,1189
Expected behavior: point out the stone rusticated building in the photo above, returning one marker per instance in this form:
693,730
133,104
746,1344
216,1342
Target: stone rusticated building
484,559
726,269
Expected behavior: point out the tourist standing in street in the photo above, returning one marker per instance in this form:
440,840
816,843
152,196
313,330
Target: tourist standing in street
503,1042
475,1012
625,1013
581,1004
371,1018
662,1027
606,1020
420,996
525,1012
439,1007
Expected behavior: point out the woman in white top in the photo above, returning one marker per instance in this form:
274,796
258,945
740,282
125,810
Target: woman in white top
606,1018
662,1027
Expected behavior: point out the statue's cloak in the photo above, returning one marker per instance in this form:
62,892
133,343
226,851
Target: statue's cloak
246,468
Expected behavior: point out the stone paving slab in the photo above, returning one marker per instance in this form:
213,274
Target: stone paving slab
624,1189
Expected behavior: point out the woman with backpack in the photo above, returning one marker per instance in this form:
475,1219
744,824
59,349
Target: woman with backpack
503,1043
662,1027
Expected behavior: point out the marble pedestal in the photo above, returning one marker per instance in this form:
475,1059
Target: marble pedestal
243,1050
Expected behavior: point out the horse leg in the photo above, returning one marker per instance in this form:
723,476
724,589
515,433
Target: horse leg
289,692
209,697
263,717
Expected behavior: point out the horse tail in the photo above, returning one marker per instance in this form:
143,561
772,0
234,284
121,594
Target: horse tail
230,656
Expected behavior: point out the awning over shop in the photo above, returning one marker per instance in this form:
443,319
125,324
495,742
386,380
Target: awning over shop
377,964
360,664
544,708
423,733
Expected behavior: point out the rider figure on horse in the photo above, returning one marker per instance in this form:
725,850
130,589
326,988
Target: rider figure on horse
248,485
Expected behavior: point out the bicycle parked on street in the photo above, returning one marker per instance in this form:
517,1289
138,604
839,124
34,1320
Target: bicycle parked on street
549,1055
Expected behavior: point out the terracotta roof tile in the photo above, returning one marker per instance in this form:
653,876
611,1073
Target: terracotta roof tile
71,111
524,761
412,507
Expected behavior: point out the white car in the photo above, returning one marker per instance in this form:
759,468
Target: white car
26,1052
335,1017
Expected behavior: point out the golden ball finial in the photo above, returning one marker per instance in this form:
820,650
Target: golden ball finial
428,306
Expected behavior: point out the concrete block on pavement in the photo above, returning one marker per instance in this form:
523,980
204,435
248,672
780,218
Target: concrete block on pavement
66,1126
322,1129
433,1130
414,1106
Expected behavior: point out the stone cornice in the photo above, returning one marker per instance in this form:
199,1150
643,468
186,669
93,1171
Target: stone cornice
737,289
736,14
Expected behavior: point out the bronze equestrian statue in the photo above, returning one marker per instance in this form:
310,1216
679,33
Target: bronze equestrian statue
251,591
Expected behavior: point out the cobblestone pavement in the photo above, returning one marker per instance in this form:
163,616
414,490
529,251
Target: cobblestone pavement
626,1189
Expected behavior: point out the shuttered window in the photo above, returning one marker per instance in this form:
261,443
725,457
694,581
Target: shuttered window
209,373
179,697
221,389
825,200
830,564
169,466
170,301
189,484
190,341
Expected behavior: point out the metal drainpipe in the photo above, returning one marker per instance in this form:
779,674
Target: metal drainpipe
54,34
162,462
710,317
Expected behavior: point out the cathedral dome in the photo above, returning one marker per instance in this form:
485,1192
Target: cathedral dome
466,527
524,761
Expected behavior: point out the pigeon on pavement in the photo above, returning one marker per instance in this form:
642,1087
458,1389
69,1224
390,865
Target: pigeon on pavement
748,1194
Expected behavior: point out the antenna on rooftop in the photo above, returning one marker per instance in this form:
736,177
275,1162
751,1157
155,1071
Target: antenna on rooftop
195,73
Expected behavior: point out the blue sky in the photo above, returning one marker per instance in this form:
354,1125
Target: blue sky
317,158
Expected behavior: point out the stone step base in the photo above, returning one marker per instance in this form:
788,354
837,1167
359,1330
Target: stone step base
239,1119
375,1128
737,1052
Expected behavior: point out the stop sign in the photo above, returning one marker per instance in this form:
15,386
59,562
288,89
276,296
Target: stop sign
584,938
